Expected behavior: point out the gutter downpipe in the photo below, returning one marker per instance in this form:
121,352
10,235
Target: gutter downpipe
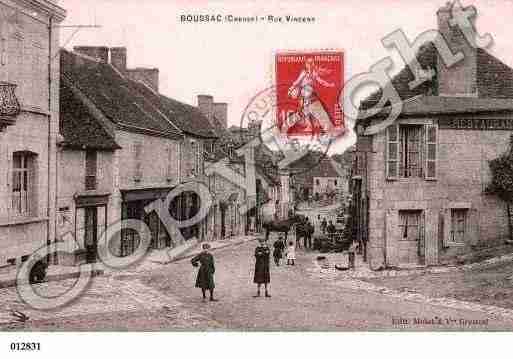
49,209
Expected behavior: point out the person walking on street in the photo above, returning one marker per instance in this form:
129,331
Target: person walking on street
279,247
300,232
262,274
324,225
291,253
205,278
309,230
331,230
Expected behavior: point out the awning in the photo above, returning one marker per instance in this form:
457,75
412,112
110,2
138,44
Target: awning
91,199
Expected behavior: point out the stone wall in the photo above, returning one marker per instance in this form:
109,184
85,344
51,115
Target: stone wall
463,174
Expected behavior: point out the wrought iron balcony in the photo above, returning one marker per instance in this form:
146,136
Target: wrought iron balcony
9,105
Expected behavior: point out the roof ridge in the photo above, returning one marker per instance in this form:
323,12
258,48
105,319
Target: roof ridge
156,108
84,56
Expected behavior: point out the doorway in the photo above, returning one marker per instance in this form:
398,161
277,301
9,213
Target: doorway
91,234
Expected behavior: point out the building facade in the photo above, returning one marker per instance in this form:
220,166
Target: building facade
29,85
419,185
125,146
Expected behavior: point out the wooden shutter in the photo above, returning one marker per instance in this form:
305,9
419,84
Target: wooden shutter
447,223
472,224
422,237
431,152
392,150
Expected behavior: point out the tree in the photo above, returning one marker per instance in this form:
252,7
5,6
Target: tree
502,181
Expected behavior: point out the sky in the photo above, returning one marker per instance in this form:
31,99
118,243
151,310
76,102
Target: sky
233,62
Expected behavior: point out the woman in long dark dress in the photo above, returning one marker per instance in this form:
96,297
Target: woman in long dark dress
205,278
279,247
262,275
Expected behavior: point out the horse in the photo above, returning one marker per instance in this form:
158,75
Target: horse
281,226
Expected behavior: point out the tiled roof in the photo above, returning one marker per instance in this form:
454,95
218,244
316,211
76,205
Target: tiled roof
79,126
313,165
187,118
494,81
115,96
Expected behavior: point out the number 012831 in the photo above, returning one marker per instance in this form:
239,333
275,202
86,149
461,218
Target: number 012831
22,346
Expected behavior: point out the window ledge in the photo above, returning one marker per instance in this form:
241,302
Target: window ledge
410,179
451,245
21,221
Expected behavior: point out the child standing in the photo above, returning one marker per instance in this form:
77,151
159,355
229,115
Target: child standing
205,278
291,253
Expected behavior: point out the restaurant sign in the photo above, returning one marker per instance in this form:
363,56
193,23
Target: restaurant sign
476,124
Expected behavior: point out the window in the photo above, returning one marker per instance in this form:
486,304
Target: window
336,183
197,150
411,226
411,138
317,182
458,225
411,151
137,153
23,179
172,165
90,170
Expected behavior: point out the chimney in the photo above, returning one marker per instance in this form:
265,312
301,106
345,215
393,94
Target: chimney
118,58
206,106
461,78
149,76
221,113
100,53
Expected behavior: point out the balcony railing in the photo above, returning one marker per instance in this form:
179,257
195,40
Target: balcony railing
9,105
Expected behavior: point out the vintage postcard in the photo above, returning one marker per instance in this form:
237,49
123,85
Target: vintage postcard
254,166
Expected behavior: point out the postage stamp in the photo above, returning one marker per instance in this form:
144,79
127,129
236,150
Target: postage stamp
309,85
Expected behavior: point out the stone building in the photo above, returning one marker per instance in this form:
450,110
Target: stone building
29,85
419,185
125,146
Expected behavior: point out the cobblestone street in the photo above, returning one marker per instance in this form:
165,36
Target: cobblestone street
164,298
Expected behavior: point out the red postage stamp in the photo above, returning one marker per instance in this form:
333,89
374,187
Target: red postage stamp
308,88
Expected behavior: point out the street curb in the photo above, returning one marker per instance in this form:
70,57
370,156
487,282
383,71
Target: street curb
98,272
52,278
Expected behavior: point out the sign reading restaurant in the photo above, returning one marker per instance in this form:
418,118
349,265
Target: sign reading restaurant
476,124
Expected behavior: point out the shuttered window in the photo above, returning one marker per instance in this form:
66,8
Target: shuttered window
411,140
411,151
431,152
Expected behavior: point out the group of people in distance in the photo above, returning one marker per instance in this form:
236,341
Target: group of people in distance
205,260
